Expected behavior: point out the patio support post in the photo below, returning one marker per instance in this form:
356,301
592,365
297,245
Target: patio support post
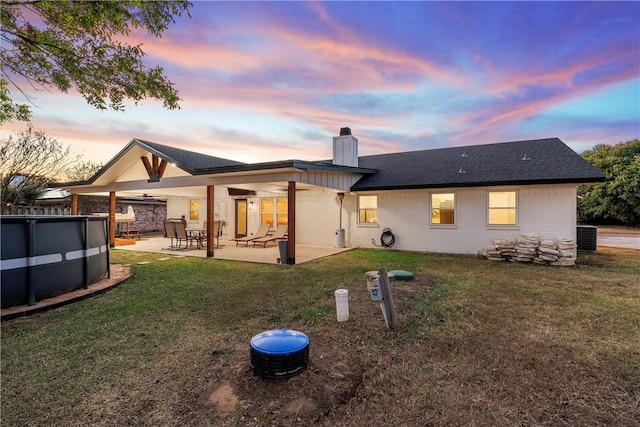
210,218
74,204
291,227
112,219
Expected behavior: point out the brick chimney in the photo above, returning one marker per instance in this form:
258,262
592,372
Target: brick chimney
345,149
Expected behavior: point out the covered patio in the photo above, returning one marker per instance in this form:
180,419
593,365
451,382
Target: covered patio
209,190
228,250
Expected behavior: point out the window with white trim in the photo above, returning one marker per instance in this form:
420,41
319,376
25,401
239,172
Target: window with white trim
443,208
502,208
367,209
194,210
274,211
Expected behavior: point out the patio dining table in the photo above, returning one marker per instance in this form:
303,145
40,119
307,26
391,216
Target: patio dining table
196,234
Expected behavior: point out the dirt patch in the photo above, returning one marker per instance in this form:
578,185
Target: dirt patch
334,377
224,399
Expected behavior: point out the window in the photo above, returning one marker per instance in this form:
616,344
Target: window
367,209
274,211
443,208
194,210
502,207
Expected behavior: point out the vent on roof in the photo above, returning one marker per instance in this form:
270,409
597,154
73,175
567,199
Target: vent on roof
464,154
345,131
526,157
462,170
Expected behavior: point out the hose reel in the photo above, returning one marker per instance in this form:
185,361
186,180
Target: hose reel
387,239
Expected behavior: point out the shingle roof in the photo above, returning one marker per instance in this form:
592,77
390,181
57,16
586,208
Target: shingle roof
542,161
187,160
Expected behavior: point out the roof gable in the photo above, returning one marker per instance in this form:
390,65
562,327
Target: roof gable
122,164
189,161
522,162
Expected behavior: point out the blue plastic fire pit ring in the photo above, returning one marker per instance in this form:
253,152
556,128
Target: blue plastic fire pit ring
279,342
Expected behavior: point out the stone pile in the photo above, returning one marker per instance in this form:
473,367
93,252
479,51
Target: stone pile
501,250
567,249
529,249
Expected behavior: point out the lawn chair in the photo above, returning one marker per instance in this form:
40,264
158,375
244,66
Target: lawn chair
263,230
279,234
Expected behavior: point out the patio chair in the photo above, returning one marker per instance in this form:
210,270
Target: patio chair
279,234
263,230
181,235
217,232
170,232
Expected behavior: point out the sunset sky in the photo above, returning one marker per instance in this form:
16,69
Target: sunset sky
263,81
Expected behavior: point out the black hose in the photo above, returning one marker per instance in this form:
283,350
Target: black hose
387,239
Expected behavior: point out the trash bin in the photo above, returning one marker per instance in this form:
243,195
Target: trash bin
282,244
340,238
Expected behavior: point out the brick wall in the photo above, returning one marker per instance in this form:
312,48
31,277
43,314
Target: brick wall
318,217
549,211
150,215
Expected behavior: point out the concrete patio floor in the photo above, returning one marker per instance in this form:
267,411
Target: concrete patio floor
229,251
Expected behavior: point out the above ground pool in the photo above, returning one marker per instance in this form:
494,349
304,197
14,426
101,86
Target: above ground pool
45,256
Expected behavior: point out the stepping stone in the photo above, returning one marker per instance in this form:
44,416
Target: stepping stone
163,259
144,262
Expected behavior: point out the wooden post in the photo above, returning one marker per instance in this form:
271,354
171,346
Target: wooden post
291,226
112,219
387,299
74,204
210,219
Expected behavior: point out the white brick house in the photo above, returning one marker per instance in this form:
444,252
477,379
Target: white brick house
451,200
546,210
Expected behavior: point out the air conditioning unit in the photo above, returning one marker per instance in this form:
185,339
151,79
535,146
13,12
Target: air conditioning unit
587,238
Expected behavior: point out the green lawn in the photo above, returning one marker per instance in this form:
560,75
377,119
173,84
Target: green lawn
478,343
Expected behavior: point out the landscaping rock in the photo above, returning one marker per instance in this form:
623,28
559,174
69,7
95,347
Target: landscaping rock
530,249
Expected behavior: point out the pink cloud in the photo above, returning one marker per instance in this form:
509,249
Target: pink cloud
562,77
513,105
339,62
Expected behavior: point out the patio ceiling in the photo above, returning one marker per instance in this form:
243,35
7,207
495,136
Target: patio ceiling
193,186
195,191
